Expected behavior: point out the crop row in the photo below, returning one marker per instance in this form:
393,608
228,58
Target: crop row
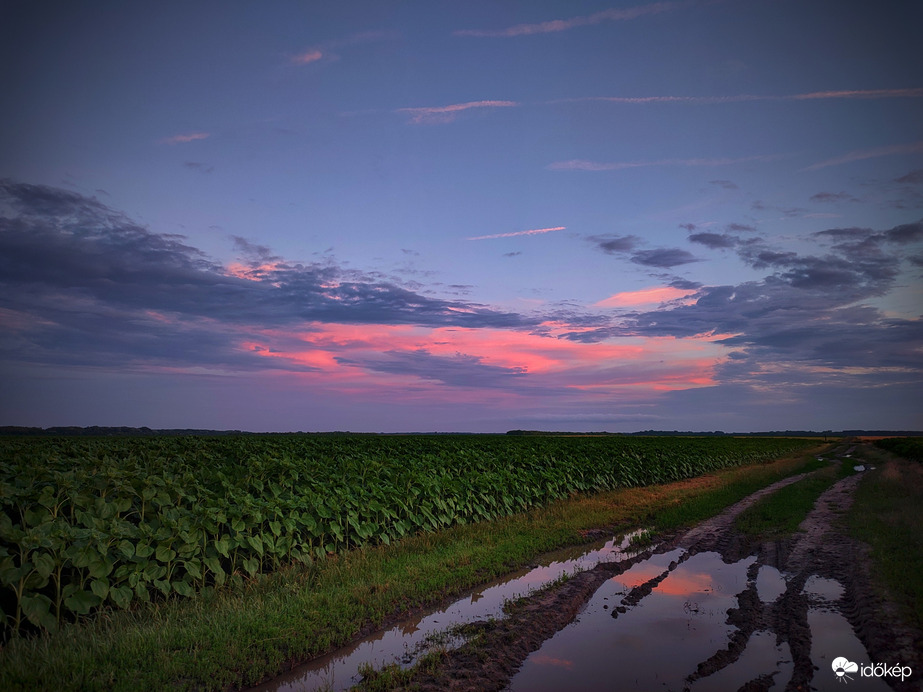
96,522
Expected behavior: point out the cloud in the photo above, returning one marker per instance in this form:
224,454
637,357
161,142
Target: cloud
614,244
714,240
863,154
833,197
196,166
744,98
644,296
188,137
446,114
90,282
726,184
458,370
583,165
912,178
309,56
556,25
663,257
534,231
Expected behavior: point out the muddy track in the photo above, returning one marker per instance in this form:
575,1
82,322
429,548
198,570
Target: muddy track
820,551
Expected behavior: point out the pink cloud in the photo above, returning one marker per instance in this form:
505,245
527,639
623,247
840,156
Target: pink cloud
583,165
555,25
387,358
738,98
534,231
862,154
308,56
644,296
446,114
190,137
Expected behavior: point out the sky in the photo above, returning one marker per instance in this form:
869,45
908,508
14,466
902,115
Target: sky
462,216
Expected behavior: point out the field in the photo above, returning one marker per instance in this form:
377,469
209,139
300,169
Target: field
107,522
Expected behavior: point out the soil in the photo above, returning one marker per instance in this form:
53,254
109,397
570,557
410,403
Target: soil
496,649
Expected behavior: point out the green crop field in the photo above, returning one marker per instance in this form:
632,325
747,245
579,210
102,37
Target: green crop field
90,523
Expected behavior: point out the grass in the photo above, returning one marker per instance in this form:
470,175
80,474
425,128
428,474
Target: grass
887,514
779,514
237,637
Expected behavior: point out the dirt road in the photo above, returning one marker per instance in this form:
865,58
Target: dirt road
756,616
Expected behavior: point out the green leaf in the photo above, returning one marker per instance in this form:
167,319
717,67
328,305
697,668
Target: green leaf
121,596
223,547
163,585
38,609
82,602
100,587
252,565
165,553
183,588
44,564
99,567
127,548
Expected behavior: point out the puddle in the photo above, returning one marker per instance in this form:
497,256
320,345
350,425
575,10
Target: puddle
822,589
762,654
652,645
832,637
770,584
400,644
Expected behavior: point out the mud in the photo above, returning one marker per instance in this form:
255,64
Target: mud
705,610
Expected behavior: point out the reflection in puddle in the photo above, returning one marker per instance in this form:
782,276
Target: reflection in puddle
653,645
833,637
339,670
770,584
823,589
762,654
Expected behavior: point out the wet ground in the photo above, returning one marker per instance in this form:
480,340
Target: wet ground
403,643
706,610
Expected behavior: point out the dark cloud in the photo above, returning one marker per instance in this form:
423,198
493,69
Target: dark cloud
688,226
714,240
741,227
512,254
459,370
912,178
833,197
614,244
200,167
87,280
663,257
726,184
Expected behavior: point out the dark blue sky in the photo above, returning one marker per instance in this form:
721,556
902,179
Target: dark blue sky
462,216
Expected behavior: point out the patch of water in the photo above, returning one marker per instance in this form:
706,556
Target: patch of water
650,646
819,588
762,655
402,643
833,637
770,584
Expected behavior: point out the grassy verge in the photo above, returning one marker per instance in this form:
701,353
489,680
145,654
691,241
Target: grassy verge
237,637
779,514
887,514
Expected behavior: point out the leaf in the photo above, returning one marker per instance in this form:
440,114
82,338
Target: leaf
127,548
223,547
100,587
165,553
44,564
81,602
121,596
99,567
252,565
163,585
38,609
183,588
256,543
